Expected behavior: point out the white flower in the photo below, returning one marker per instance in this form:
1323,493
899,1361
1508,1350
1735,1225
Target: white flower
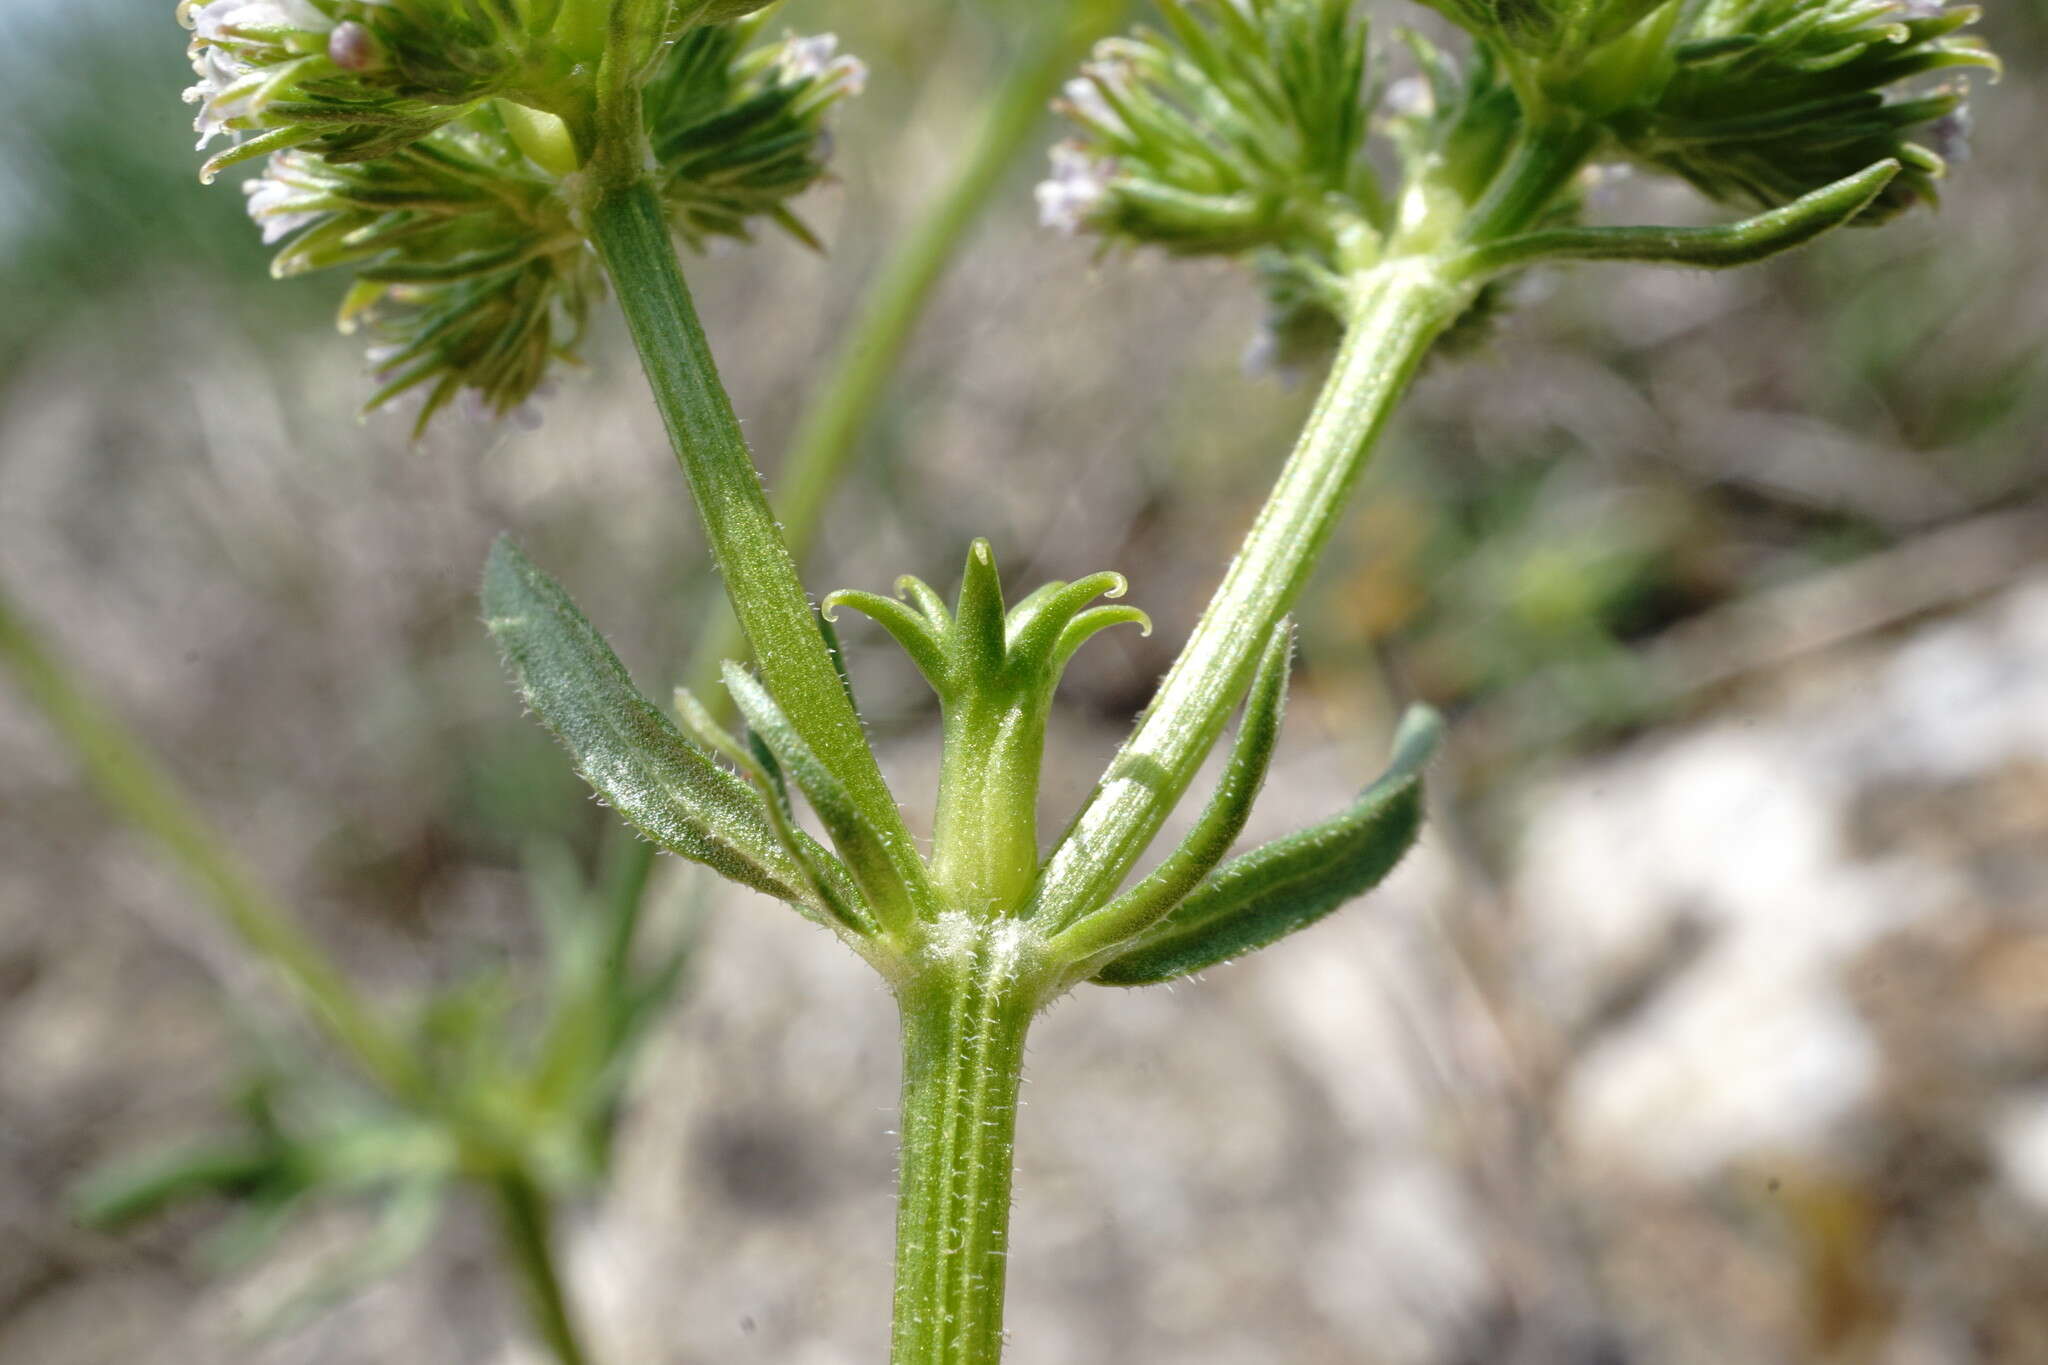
1086,101
1410,97
1077,187
280,205
815,58
217,20
803,58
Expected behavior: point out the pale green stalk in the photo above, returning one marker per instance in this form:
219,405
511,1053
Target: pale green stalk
632,236
1398,311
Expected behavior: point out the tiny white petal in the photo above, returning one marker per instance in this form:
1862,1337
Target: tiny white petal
804,58
1078,184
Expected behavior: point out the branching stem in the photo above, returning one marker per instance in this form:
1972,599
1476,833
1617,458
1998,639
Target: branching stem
1399,309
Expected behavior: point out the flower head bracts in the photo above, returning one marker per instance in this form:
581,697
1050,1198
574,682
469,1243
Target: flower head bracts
738,130
1241,127
471,274
1763,101
1241,130
352,78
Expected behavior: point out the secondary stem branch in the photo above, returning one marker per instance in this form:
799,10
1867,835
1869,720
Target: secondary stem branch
527,1237
1399,310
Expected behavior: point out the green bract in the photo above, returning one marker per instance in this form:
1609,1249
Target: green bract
1558,31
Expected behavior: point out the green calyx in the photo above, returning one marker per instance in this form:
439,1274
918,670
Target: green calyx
995,672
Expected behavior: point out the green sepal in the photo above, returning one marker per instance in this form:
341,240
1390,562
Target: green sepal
1222,820
1287,885
623,745
891,879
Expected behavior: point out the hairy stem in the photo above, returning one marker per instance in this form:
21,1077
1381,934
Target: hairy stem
964,1022
128,779
526,1236
1398,310
760,575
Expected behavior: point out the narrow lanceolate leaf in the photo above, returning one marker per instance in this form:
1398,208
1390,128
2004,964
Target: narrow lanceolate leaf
1266,894
1698,248
626,748
1221,822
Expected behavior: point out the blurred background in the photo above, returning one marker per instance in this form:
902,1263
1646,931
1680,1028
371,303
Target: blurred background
1709,1023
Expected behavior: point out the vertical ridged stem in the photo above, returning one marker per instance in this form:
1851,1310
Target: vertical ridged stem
526,1229
1398,311
632,236
964,1024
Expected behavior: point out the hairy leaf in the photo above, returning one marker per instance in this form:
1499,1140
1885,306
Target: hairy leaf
623,745
1286,885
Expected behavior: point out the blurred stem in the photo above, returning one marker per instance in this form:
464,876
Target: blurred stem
631,234
128,779
527,1239
1397,311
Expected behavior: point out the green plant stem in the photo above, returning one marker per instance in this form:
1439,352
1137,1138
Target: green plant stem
1398,310
842,407
526,1235
760,575
129,780
964,1023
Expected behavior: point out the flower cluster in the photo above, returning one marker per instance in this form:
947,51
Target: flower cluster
471,274
353,79
1240,128
1758,102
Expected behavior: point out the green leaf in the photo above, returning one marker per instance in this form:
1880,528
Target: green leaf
624,747
1701,248
126,1192
1291,883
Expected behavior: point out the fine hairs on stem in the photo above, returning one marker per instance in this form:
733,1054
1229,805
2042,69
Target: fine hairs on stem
489,173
